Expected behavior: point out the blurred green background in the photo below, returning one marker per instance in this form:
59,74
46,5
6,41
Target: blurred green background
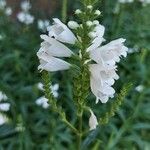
28,125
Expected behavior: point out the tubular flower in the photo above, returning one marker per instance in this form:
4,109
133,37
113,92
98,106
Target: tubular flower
103,71
50,49
61,32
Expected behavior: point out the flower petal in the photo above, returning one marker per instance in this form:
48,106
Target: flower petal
61,32
51,64
93,121
54,48
99,30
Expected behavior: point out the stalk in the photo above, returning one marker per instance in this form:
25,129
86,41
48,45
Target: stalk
64,10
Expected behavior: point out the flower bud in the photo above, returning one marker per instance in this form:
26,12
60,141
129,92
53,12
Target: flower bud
90,7
92,35
78,11
89,23
93,121
96,22
97,12
73,25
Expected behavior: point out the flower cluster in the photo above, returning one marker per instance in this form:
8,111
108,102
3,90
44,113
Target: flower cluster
101,60
24,16
126,1
4,8
144,2
42,101
103,72
52,48
43,24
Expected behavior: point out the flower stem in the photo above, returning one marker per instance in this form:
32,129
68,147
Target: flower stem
79,138
52,101
70,126
64,10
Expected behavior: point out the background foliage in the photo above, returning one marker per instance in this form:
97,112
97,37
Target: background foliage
33,127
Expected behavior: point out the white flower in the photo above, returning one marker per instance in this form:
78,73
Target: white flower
103,72
126,1
61,32
3,119
93,121
73,25
8,11
2,4
40,86
25,6
145,2
99,32
97,12
101,80
54,88
109,54
4,8
43,24
139,88
51,64
78,11
42,101
4,107
3,96
50,49
25,18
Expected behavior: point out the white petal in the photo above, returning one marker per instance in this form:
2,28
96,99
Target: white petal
96,43
109,54
93,121
52,64
99,31
40,86
107,90
3,96
3,119
55,87
42,101
54,48
100,82
61,32
4,107
102,97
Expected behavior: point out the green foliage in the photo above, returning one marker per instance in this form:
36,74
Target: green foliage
115,105
32,127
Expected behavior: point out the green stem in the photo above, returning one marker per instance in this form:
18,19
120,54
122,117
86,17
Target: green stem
64,10
71,126
79,138
52,101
